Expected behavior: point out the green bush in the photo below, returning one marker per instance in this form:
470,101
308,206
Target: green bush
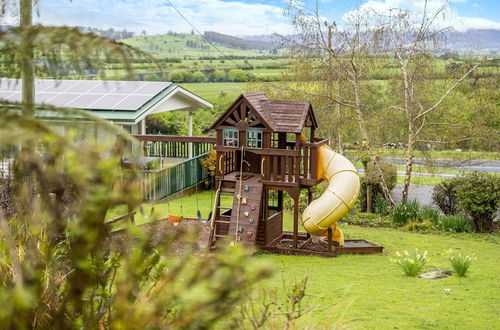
445,197
417,225
479,197
457,223
428,213
404,212
371,178
411,263
381,205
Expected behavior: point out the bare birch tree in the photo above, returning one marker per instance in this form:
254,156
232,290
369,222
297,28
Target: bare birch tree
341,55
412,38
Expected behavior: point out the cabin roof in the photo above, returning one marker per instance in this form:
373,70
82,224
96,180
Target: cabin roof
278,115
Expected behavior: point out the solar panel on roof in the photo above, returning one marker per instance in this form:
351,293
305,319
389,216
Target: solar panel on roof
132,102
87,94
16,97
151,88
4,95
62,100
85,100
82,87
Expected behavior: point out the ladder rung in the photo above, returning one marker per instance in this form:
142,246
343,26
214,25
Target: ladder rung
222,221
220,236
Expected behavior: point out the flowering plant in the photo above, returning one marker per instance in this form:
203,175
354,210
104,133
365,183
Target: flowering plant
460,262
411,262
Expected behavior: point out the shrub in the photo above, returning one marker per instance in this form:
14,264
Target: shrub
460,263
457,223
417,225
411,263
428,213
381,205
479,196
445,197
389,172
404,212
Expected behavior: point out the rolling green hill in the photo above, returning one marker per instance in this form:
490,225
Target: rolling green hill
185,46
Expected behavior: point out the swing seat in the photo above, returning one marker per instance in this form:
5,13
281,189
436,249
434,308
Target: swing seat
174,220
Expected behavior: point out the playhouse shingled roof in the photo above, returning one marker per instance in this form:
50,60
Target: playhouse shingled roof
278,115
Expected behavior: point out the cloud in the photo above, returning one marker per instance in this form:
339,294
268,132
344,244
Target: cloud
156,16
449,18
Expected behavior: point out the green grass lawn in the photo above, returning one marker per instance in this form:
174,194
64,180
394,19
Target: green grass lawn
382,297
371,290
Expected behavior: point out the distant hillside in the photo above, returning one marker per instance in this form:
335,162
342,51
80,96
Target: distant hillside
185,45
241,43
485,41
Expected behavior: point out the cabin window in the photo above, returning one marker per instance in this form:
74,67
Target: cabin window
231,138
254,138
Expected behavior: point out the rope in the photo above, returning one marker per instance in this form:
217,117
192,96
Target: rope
237,234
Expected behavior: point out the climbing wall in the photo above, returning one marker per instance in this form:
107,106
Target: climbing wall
249,202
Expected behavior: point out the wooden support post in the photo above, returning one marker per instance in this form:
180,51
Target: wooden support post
295,220
330,236
369,198
132,213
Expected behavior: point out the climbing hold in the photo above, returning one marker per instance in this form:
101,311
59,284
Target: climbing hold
239,196
249,234
240,229
251,220
244,201
246,188
252,208
247,213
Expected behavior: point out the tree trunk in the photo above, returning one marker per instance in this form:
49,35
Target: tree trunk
366,141
27,59
408,166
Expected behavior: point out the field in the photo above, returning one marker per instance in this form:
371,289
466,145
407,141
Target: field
212,91
369,292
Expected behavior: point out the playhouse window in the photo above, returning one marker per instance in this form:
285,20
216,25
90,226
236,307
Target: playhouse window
231,138
254,138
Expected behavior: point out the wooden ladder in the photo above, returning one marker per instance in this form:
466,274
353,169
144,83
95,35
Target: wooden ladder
217,222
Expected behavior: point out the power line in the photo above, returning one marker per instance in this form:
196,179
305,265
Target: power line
201,34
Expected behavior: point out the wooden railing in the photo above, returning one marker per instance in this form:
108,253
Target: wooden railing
288,166
175,146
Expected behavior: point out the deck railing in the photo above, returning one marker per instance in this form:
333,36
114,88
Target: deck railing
174,146
162,183
288,166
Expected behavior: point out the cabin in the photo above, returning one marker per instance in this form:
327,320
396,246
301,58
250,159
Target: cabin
262,152
123,103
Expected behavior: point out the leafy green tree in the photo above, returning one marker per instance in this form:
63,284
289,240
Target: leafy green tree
238,75
219,75
199,77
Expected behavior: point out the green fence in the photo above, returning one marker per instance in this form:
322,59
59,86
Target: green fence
160,184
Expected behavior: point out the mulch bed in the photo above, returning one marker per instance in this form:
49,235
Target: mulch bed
163,233
317,244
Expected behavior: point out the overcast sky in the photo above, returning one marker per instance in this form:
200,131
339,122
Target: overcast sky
238,17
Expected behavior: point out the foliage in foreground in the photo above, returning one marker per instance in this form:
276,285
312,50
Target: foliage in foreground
411,263
57,267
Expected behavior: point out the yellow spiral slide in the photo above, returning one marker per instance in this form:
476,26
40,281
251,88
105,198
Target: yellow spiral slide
338,198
